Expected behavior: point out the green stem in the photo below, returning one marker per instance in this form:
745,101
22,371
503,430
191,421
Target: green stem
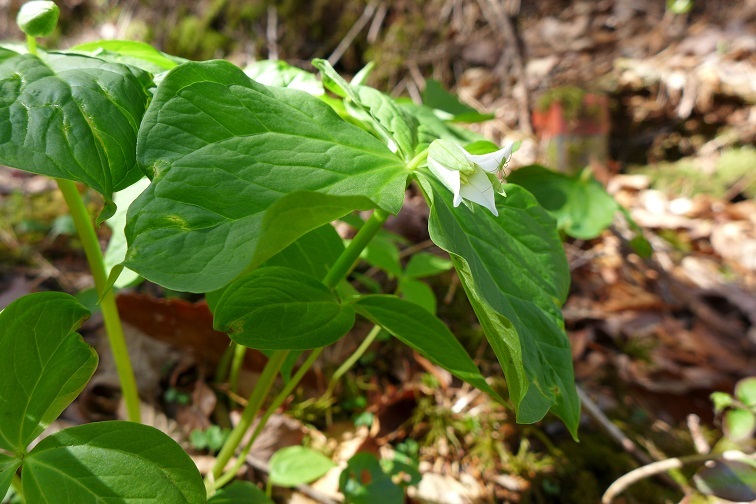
277,402
236,364
31,43
416,161
335,275
352,360
262,387
113,327
347,259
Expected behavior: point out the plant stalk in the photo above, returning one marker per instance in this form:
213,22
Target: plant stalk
262,387
277,402
348,258
352,360
338,272
113,327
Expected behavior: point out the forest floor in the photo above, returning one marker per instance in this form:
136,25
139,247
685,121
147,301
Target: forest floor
652,337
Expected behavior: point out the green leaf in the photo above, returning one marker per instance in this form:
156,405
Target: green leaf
111,462
381,112
721,401
384,254
436,97
364,482
38,18
276,308
423,265
116,251
224,149
280,74
732,480
739,424
45,364
298,213
418,292
240,491
582,207
8,467
431,127
313,253
295,465
72,117
128,52
515,273
745,391
419,329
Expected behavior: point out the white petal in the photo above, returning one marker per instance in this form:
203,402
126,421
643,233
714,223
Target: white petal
479,190
450,178
492,161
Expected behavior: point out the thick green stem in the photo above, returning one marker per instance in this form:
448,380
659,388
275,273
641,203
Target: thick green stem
277,402
262,387
352,360
348,258
113,328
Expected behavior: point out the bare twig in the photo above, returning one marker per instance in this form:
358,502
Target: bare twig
614,432
271,32
375,26
663,466
353,32
493,10
699,441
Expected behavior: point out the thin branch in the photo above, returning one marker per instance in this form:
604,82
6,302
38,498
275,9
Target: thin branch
614,432
271,32
663,466
353,32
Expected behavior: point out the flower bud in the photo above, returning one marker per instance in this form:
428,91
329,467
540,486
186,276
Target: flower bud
38,18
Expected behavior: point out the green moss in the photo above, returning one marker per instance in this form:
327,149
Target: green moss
688,177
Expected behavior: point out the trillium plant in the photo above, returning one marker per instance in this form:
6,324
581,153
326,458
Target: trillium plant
227,181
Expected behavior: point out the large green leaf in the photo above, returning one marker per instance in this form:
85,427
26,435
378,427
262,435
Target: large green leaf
582,207
111,462
515,274
313,253
238,492
44,364
280,74
421,330
222,149
296,465
448,105
277,308
72,117
138,54
8,467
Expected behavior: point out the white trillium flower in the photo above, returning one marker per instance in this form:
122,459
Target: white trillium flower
468,176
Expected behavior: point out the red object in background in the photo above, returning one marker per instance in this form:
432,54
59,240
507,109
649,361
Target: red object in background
574,136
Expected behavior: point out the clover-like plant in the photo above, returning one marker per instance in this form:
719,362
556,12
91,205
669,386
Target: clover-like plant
245,180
